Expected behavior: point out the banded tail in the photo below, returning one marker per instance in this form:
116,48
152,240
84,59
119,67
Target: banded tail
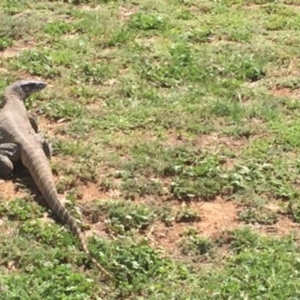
37,164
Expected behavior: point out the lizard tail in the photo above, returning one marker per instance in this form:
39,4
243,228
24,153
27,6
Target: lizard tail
91,258
68,219
36,162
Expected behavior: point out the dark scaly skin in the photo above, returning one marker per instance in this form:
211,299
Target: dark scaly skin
15,128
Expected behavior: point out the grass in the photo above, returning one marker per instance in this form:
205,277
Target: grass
164,115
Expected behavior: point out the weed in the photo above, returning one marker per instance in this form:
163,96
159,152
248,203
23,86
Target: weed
57,28
258,215
124,217
46,233
187,215
20,209
193,245
200,177
294,210
144,21
165,214
133,264
36,63
140,187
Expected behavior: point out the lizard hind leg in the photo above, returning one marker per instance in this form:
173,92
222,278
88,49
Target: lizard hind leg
6,166
9,153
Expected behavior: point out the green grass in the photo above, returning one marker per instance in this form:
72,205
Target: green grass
163,114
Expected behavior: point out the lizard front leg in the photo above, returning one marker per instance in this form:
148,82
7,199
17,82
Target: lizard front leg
33,121
46,146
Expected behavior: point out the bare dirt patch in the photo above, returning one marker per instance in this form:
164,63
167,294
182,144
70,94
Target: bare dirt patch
93,192
53,128
209,141
126,12
216,217
89,7
285,92
98,229
123,141
283,227
16,49
292,70
9,190
215,141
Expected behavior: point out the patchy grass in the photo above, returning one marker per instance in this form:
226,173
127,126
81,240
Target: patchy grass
175,128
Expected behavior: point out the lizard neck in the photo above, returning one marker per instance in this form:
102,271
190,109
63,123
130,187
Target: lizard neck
13,103
13,94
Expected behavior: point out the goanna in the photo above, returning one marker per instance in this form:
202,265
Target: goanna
20,141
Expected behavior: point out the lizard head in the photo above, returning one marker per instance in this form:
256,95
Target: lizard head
29,87
22,89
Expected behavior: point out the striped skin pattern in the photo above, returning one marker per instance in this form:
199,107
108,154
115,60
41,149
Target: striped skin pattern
15,128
